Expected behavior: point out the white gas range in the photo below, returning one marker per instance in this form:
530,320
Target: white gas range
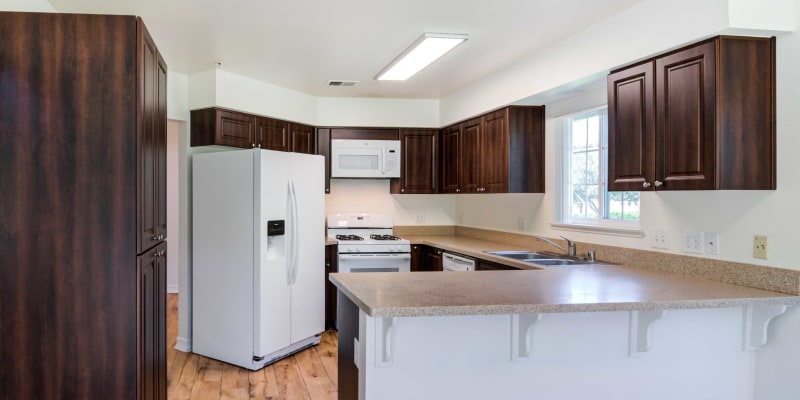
366,243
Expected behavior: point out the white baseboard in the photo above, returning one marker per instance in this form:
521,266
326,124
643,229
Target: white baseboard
172,288
183,344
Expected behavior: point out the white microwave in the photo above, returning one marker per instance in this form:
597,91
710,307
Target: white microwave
351,158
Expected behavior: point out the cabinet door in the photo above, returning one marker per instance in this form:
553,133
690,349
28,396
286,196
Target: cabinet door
324,149
302,139
235,129
450,161
417,258
419,150
433,259
685,114
152,326
331,266
631,129
494,153
483,265
471,132
272,134
151,147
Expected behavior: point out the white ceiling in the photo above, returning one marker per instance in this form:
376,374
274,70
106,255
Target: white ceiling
301,44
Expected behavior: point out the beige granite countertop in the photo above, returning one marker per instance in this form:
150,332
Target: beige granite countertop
601,288
330,241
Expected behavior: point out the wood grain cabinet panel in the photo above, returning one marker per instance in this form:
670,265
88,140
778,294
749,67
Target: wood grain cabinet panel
302,138
272,134
499,152
419,171
82,310
450,160
698,118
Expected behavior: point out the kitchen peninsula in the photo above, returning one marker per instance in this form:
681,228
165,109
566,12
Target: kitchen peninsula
564,333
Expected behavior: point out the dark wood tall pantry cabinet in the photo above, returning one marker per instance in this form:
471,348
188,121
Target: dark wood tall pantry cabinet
83,218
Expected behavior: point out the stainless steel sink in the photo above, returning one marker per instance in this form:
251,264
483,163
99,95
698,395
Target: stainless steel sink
524,255
539,258
557,262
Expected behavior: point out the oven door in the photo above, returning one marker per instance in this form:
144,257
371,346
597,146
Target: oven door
375,262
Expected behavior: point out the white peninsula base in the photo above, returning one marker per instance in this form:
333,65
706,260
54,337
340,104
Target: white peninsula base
619,355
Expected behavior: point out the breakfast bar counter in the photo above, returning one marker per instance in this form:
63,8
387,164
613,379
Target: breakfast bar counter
595,331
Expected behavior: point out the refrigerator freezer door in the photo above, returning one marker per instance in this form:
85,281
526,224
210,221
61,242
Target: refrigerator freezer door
272,274
308,289
222,256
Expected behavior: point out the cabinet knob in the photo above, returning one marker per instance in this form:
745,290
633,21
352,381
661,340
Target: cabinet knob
402,190
253,145
258,145
646,185
155,237
659,183
458,190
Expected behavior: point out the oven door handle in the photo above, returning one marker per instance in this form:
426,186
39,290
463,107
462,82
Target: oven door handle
375,257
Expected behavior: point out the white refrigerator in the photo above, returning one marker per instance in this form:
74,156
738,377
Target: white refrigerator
258,261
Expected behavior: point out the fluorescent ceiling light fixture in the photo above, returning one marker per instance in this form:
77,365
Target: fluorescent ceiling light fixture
419,55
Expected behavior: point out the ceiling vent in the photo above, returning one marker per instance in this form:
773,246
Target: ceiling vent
342,83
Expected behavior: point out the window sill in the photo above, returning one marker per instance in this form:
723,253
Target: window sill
606,230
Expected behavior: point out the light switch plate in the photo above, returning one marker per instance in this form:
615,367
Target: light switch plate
692,242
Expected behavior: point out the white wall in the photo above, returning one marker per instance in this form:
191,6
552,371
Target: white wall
26,5
735,215
342,111
372,195
173,195
647,28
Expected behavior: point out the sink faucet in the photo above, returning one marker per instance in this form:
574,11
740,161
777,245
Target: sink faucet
570,244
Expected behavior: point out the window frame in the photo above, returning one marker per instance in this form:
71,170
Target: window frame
563,183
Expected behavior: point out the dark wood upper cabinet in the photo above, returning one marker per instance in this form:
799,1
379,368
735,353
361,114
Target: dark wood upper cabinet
494,153
450,160
217,126
705,122
302,138
83,292
419,172
471,155
324,149
272,134
214,126
631,128
499,152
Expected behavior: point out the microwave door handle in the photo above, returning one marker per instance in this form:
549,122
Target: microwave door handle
383,158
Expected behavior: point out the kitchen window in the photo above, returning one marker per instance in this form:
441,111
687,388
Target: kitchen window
585,200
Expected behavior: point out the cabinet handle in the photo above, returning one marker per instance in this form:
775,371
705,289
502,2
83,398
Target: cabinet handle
155,237
646,185
659,183
458,190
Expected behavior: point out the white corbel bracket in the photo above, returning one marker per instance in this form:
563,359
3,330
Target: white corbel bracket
522,335
756,319
383,341
640,335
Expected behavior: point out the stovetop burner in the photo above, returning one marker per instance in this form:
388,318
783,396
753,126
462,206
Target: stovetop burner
383,237
349,237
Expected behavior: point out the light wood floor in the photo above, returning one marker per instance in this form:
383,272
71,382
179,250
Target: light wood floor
310,374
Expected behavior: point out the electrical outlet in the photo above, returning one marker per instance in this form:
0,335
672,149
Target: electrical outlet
420,219
660,239
711,242
693,242
760,246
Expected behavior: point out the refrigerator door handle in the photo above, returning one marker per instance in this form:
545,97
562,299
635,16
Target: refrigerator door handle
295,234
290,236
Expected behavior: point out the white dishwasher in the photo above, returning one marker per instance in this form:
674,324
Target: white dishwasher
453,262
